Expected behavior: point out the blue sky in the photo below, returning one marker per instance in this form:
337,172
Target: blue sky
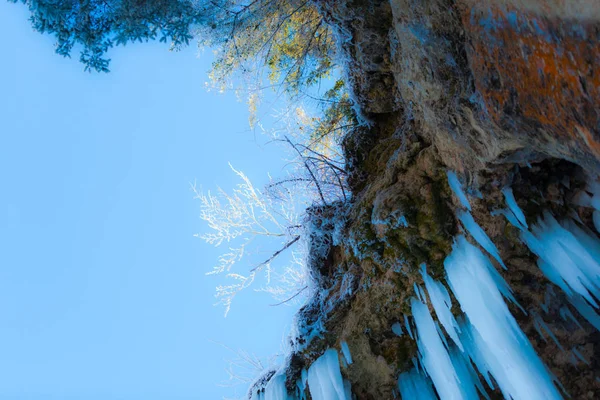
102,286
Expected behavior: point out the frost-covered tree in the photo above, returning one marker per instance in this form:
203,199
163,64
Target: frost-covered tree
289,36
241,220
97,25
285,44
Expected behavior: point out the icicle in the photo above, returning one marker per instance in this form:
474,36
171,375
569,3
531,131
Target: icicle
435,358
438,328
479,235
570,259
457,189
585,310
415,386
594,188
467,376
258,395
566,314
397,329
513,206
579,355
301,384
440,299
496,342
418,292
540,325
547,299
348,389
325,379
407,325
569,256
276,390
346,353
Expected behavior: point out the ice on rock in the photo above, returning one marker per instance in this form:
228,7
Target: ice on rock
346,353
440,299
435,357
594,188
568,256
407,325
579,356
457,189
467,374
479,235
585,310
276,390
513,206
325,378
397,329
301,384
257,395
492,337
566,314
540,326
413,385
348,389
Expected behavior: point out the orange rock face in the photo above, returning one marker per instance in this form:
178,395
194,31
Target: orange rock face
539,75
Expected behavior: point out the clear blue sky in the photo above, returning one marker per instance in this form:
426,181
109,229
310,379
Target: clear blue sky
102,287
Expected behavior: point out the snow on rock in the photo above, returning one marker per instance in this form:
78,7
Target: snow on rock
492,337
325,379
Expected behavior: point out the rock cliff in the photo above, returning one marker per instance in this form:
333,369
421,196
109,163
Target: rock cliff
504,94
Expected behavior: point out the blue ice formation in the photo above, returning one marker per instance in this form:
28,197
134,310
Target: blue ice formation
397,329
275,390
492,337
435,357
415,385
479,235
569,256
512,205
440,299
457,189
325,380
487,335
346,353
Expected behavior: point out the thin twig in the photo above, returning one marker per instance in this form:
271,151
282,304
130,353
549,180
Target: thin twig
291,298
278,252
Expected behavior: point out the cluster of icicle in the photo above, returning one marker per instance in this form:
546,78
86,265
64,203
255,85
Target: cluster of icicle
486,336
323,378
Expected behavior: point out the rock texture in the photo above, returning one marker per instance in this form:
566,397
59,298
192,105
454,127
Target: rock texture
505,93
